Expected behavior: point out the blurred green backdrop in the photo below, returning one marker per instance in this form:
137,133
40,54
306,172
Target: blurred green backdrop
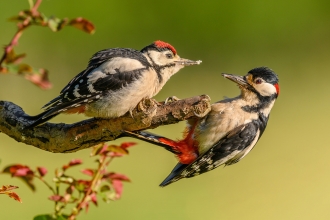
286,176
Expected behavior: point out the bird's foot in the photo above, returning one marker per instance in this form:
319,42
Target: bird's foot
198,113
171,99
148,106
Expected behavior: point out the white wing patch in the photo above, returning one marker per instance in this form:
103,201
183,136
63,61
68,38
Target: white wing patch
114,65
121,64
75,91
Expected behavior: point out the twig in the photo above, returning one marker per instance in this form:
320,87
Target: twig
96,178
47,184
21,27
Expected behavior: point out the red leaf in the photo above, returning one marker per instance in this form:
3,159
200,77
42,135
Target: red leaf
104,149
56,198
127,144
116,176
14,196
19,170
42,171
118,187
83,24
5,188
73,162
93,198
22,172
40,79
88,172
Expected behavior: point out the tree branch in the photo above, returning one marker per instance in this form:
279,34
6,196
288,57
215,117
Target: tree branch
65,138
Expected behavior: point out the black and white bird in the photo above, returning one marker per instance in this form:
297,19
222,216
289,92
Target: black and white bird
115,81
229,131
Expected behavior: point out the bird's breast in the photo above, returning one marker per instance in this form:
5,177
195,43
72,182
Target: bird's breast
223,118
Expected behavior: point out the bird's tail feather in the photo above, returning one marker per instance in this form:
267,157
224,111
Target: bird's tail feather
174,175
40,118
164,142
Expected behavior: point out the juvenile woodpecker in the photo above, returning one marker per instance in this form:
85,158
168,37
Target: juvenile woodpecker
115,81
228,133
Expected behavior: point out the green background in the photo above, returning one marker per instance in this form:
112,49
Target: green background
286,176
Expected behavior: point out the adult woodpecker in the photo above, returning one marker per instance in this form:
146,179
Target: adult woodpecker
228,133
115,81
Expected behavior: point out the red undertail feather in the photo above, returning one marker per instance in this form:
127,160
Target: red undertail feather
187,147
78,110
162,44
187,153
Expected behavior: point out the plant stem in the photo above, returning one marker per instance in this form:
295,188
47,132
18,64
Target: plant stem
57,191
47,184
34,9
97,176
21,27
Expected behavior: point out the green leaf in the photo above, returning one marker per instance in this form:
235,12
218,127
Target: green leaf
96,149
105,188
17,18
56,24
49,217
12,57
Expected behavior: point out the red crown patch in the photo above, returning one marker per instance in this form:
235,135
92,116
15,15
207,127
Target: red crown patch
162,44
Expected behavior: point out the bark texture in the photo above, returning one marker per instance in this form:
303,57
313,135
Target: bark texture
65,138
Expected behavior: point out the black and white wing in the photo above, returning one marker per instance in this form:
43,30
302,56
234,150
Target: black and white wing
108,70
229,150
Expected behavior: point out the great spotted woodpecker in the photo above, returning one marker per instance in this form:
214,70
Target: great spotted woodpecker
228,133
115,81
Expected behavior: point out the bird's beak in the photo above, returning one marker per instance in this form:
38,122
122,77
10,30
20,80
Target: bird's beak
240,80
186,62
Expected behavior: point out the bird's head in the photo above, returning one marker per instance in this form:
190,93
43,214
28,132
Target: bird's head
260,82
164,56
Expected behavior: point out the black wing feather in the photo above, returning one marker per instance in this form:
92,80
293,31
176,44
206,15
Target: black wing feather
238,139
104,55
111,82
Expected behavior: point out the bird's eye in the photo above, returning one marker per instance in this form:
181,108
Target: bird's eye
258,81
169,56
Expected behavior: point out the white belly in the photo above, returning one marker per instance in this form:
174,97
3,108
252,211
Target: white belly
117,103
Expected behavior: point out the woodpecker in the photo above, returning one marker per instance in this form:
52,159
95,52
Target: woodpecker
227,133
115,81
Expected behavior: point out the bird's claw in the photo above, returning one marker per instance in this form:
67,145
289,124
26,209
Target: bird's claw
171,99
148,105
207,110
